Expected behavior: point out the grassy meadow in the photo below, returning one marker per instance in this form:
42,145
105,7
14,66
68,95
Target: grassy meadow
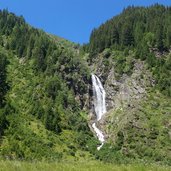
75,166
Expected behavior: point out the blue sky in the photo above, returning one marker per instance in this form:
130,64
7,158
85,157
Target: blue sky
71,19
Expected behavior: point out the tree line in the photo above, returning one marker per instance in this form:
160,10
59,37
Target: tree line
144,30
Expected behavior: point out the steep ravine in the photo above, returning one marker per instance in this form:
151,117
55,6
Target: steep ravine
123,94
137,122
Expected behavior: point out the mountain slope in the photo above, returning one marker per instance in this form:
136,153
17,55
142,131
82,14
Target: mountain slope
134,66
146,32
137,124
43,77
46,90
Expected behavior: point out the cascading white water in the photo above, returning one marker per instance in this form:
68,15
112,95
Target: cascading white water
99,97
99,135
99,106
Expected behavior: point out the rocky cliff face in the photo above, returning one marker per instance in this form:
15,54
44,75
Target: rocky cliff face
123,92
137,122
123,95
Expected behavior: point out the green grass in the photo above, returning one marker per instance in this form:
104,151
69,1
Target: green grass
75,166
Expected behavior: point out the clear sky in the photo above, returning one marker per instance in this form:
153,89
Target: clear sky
71,19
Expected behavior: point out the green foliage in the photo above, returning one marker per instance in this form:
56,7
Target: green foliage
44,79
129,28
23,143
45,74
145,31
142,134
3,75
3,122
3,90
161,73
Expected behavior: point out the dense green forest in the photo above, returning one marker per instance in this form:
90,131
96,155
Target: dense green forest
45,88
135,27
41,76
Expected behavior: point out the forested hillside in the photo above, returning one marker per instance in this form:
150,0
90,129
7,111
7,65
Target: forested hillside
46,107
128,28
132,55
146,31
41,76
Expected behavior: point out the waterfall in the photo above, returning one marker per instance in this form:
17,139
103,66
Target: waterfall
99,106
99,97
